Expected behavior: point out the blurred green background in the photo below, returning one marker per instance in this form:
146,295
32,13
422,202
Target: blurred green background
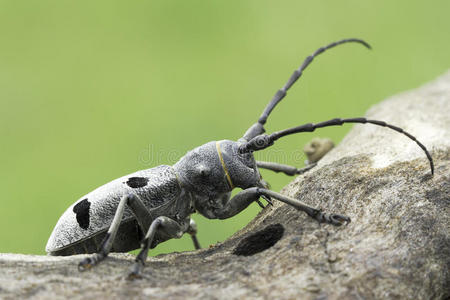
93,90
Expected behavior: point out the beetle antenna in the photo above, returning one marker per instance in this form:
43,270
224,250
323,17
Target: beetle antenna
263,141
280,94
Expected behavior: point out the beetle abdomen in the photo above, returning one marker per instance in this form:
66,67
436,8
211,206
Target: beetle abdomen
92,214
128,237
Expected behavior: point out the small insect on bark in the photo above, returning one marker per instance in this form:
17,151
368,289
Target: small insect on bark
148,207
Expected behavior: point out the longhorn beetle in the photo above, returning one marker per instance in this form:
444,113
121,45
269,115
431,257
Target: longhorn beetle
151,206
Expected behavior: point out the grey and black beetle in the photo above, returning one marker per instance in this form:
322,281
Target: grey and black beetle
150,206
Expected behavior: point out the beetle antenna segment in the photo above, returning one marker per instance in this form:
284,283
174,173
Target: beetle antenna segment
280,94
263,141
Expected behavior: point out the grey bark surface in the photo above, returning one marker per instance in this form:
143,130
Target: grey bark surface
397,246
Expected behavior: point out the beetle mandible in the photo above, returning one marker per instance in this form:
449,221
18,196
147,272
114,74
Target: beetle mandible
148,207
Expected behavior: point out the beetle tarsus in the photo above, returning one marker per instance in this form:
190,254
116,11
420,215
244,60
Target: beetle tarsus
88,263
333,219
136,269
84,265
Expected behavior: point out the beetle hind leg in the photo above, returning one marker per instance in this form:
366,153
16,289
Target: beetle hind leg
162,224
142,216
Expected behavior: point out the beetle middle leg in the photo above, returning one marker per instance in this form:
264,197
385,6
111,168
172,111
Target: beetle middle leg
142,216
161,224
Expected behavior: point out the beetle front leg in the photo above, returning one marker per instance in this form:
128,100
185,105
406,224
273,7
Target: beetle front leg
142,216
237,204
247,196
192,230
315,213
170,227
286,169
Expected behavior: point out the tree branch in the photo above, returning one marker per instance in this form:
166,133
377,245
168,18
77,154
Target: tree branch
397,245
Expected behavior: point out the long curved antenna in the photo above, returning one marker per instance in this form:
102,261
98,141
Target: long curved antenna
258,128
263,141
280,94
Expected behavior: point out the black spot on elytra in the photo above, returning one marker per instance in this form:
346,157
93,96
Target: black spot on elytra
137,182
82,212
260,240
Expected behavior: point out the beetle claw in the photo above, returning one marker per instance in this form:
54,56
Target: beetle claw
333,219
133,276
135,272
268,200
85,264
339,220
260,204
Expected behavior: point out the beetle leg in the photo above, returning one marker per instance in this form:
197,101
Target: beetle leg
165,224
260,204
192,230
277,167
315,213
286,169
238,203
142,216
242,199
264,184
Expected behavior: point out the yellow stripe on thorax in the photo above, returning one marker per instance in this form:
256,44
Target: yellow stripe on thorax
223,165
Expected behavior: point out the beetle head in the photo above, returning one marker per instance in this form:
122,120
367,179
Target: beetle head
241,167
216,168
